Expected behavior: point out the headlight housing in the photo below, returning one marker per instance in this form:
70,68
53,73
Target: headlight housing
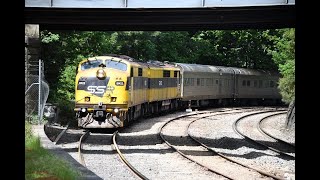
101,74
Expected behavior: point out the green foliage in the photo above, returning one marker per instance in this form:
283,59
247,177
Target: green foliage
34,119
284,55
39,163
238,48
48,37
66,82
28,131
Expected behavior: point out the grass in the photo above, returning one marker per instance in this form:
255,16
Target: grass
41,164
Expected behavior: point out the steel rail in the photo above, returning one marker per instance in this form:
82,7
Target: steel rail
230,159
234,125
181,153
61,133
271,136
124,159
82,138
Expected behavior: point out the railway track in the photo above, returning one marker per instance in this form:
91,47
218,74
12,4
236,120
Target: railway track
82,139
124,160
290,145
61,133
244,171
255,140
100,153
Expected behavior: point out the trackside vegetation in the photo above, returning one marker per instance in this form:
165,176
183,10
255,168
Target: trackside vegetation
41,164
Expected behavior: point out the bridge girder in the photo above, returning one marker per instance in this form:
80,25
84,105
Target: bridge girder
162,19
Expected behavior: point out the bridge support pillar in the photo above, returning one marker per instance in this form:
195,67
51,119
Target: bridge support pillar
32,47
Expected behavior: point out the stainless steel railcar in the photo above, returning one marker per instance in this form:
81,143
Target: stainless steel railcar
204,85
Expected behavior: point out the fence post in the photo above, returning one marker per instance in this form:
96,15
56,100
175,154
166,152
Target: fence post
39,95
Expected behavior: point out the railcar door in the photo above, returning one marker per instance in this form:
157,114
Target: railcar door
235,88
220,86
131,92
178,80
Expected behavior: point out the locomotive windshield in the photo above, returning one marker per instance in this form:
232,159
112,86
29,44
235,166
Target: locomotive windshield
108,63
91,64
116,65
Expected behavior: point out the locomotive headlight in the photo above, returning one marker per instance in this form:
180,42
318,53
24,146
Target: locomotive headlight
113,99
83,110
116,110
101,74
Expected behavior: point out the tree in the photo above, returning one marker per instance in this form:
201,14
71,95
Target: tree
284,55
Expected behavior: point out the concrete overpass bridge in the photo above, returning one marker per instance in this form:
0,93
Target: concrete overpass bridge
159,14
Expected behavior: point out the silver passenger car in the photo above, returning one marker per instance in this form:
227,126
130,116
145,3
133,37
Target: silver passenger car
203,85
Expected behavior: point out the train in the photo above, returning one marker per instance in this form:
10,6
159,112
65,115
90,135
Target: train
111,91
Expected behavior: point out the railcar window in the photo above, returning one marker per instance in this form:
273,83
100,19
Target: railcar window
186,81
244,83
139,71
116,65
192,81
260,83
209,81
202,81
166,73
91,64
255,83
198,81
217,81
248,83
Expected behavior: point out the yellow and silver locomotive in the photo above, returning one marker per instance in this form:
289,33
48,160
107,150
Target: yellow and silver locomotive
111,91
